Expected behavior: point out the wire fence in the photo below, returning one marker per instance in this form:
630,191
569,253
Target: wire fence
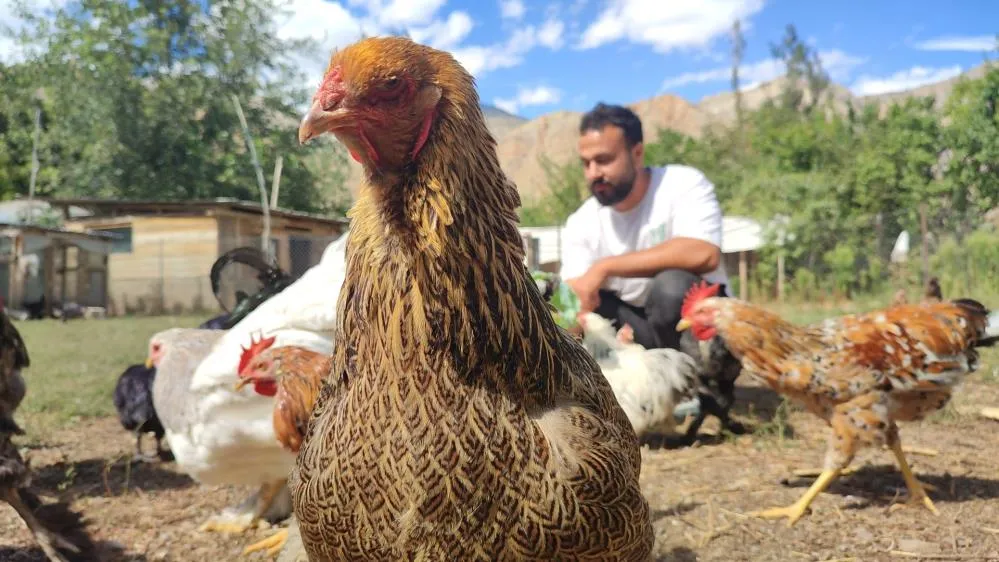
172,275
832,256
823,257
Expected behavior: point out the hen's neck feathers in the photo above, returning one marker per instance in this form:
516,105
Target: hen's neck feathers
435,267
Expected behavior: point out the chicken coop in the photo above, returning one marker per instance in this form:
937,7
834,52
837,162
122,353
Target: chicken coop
41,267
163,251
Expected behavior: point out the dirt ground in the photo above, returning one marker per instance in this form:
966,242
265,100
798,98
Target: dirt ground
699,495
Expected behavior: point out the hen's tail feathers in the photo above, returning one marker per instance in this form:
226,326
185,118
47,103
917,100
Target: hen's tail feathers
990,333
60,531
680,370
599,337
271,280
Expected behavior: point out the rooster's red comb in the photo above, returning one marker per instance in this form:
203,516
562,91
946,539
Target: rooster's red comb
256,346
696,293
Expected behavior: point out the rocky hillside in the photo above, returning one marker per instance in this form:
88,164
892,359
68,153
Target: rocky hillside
522,142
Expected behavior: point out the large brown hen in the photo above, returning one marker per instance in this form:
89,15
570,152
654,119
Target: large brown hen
458,422
861,373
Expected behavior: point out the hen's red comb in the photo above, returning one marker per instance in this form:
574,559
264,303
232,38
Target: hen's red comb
698,292
256,346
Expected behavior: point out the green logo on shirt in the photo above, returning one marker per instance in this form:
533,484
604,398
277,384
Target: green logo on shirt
658,234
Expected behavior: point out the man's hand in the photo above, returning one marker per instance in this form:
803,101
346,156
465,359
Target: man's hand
587,287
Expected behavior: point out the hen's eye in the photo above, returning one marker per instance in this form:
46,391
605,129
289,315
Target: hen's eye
391,83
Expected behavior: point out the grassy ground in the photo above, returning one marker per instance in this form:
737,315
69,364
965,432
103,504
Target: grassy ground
74,365
699,495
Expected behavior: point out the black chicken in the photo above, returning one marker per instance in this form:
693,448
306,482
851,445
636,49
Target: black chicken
133,399
716,392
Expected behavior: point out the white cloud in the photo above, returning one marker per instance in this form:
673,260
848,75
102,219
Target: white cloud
526,97
955,43
512,9
903,80
399,13
838,64
667,25
550,34
328,23
444,34
10,51
479,59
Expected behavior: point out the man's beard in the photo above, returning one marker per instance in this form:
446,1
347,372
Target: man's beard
613,193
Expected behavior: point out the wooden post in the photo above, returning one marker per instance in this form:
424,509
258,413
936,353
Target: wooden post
531,247
743,276
879,234
780,277
265,236
924,247
34,167
276,181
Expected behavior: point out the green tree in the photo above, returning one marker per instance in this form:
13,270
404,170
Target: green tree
141,99
972,140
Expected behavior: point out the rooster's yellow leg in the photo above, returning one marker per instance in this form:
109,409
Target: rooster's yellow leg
794,511
815,472
273,543
240,523
917,492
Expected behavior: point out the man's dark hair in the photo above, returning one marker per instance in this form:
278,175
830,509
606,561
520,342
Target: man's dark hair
622,117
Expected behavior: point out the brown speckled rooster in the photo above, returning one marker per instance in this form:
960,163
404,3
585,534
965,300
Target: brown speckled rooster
292,375
458,422
861,373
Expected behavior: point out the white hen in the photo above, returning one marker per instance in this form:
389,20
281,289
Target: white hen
648,383
224,436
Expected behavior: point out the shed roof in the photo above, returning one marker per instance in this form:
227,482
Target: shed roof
104,207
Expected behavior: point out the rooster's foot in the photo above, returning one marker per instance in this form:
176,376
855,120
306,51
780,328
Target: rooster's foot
816,472
791,512
795,511
273,543
229,524
916,501
917,490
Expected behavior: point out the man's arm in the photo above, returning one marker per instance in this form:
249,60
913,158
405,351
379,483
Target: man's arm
691,254
695,244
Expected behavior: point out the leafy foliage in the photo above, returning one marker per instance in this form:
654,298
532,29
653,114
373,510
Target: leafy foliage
137,103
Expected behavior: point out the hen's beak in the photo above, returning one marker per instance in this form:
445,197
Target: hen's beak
318,121
243,382
682,325
149,362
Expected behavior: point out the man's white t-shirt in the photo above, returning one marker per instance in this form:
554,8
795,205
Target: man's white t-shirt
680,202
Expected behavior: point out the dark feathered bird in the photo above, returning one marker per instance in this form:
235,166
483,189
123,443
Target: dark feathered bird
133,399
13,358
272,281
60,532
716,392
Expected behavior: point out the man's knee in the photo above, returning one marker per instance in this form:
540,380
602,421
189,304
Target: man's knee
669,288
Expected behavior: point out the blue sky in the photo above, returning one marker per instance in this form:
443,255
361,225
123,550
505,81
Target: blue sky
532,58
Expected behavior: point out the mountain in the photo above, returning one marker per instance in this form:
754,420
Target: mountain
522,142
